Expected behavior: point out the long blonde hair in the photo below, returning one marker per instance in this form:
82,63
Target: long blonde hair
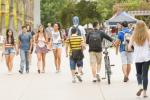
141,33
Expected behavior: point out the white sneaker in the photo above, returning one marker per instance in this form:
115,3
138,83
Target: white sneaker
9,73
98,77
58,71
74,80
79,77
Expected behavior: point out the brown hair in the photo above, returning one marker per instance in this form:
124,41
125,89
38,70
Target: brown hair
141,33
37,34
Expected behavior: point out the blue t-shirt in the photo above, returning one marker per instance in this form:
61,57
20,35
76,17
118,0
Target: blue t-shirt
121,37
25,41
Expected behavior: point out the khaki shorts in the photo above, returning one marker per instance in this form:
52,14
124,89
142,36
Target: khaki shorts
95,58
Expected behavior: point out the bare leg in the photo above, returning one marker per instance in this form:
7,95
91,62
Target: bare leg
58,58
55,58
7,62
39,56
11,57
124,69
128,69
43,62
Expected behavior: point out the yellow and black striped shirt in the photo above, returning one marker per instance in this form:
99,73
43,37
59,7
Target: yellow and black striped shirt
75,43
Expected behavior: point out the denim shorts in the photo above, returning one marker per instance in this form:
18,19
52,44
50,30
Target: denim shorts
56,45
9,51
74,63
127,57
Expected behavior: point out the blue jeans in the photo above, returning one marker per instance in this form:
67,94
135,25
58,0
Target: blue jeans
24,60
142,73
74,63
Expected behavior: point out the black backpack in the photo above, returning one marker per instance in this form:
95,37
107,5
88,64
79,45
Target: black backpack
77,54
95,41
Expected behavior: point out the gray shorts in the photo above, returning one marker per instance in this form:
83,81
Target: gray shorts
126,57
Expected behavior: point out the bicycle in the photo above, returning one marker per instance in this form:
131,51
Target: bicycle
107,65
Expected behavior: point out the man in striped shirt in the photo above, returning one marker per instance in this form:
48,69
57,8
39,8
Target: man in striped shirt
75,42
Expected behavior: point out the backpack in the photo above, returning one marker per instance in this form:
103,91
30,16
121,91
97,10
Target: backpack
126,42
95,41
77,54
78,30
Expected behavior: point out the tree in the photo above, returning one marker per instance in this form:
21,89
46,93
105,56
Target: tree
51,10
3,8
19,14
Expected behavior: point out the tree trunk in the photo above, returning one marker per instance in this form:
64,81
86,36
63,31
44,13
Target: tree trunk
18,10
26,4
11,15
31,13
3,8
37,16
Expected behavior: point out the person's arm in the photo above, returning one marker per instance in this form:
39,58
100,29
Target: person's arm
19,42
87,38
67,47
104,35
16,48
82,44
117,43
50,42
46,39
31,43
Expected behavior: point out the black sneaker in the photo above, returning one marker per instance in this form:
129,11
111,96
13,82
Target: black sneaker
94,80
126,79
20,72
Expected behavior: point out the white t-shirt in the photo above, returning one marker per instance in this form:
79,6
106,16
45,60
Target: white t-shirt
142,53
48,31
56,38
81,28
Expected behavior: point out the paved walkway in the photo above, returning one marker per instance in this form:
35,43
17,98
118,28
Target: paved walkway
52,86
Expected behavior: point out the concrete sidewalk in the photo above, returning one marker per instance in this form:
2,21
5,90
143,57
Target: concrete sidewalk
52,86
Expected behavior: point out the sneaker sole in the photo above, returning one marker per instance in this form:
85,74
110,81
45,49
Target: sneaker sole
139,92
79,78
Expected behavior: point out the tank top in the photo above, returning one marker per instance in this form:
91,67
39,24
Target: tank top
41,42
56,38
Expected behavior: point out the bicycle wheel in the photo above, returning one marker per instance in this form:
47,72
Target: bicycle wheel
108,77
108,69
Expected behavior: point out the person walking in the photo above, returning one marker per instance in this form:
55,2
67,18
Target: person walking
56,42
25,46
49,30
9,49
41,41
80,32
30,31
140,40
94,39
75,43
126,55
